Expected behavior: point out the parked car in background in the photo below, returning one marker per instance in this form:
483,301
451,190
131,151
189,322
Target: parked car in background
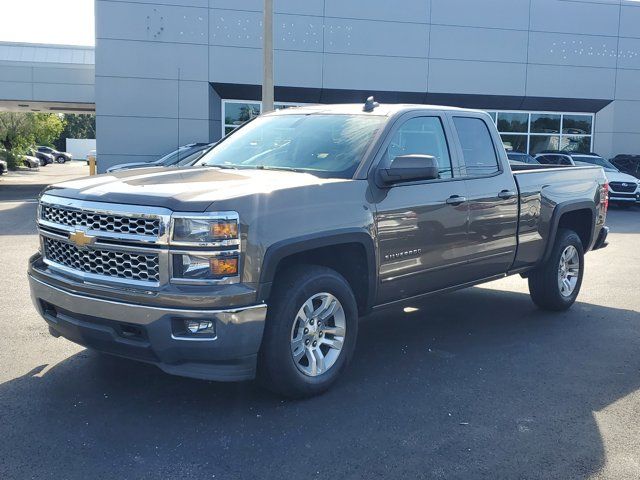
627,164
59,157
92,154
623,188
44,158
522,157
554,158
3,167
183,156
31,161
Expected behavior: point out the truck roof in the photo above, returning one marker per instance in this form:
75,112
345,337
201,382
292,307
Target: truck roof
383,109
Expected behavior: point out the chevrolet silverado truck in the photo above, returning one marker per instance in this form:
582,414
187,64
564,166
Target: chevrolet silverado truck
260,260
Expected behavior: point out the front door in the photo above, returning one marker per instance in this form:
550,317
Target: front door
421,226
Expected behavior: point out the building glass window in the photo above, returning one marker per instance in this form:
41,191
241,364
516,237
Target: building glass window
515,143
577,124
513,122
545,123
534,132
237,112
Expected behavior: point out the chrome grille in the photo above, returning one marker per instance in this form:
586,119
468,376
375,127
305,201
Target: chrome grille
125,265
101,222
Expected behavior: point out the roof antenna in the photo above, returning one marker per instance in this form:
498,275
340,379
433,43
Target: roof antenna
370,104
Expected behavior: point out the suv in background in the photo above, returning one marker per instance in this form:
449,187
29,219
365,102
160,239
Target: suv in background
623,188
627,164
554,158
59,157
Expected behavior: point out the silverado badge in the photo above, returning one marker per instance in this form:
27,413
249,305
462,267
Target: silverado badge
81,239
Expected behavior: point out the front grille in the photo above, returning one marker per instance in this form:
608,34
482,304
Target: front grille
101,222
628,187
124,265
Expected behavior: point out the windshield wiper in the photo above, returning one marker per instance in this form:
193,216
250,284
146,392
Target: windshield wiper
286,169
222,167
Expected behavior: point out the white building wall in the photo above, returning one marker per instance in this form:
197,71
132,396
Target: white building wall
528,49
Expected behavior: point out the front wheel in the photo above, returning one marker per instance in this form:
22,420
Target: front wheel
61,159
555,284
310,332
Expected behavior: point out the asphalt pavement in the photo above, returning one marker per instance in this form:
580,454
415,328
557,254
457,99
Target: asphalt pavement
474,384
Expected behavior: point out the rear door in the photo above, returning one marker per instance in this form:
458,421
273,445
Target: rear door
492,197
421,226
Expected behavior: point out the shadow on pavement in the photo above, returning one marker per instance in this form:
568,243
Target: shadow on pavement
18,192
475,384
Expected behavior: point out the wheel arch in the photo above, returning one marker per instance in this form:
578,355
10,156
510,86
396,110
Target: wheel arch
351,252
579,216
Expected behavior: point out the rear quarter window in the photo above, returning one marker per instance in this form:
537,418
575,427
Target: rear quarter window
478,150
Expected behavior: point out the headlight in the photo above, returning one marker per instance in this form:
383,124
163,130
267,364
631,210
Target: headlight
195,266
214,229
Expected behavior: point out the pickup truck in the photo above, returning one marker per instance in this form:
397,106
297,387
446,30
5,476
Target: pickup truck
260,260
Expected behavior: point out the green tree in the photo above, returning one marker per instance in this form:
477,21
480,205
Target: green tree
20,131
76,126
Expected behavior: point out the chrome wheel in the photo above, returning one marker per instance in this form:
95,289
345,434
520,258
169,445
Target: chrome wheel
318,334
568,271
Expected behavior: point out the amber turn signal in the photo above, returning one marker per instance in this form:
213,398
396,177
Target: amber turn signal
224,229
224,266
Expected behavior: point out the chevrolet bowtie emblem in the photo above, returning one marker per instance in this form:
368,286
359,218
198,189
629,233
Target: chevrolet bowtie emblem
81,239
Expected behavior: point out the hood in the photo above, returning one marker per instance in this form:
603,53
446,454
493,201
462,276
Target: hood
619,177
181,189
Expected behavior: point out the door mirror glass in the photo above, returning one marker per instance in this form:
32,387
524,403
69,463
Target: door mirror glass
407,168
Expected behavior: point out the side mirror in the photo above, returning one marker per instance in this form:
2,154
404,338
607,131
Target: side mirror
407,168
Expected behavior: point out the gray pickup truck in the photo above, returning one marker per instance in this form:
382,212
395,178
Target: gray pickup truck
260,260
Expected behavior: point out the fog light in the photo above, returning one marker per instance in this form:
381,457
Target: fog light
199,326
189,328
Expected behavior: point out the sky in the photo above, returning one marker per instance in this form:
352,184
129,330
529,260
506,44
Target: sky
68,22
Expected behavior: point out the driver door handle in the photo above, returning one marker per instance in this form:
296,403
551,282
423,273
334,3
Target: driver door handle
456,200
506,194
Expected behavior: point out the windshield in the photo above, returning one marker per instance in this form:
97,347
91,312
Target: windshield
324,145
175,156
596,161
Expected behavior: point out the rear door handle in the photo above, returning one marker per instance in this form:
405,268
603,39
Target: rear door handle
456,200
506,194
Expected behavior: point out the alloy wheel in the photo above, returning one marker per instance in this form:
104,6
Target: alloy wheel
317,334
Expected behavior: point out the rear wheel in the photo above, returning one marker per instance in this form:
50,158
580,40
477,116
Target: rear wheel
555,284
310,332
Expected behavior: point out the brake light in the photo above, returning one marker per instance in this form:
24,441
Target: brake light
604,196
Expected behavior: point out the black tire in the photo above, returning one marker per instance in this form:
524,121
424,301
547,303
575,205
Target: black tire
543,281
276,368
61,159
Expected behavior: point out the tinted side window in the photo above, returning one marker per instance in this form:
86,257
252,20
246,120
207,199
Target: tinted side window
425,136
477,146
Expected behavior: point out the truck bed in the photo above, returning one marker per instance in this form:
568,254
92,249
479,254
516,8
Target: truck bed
544,192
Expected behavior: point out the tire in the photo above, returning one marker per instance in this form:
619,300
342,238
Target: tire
61,159
545,281
284,334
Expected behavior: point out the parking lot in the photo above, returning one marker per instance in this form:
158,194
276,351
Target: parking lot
474,384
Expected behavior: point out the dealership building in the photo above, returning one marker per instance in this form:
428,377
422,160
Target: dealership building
554,74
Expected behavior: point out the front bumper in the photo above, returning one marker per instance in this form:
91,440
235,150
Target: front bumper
624,197
145,333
